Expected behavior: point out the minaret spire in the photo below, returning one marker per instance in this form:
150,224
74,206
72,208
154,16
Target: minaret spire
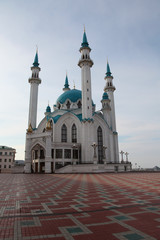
108,73
84,41
66,85
36,64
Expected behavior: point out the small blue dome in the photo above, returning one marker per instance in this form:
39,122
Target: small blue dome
48,109
105,96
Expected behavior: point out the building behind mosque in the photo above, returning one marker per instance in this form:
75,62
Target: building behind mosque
74,137
7,159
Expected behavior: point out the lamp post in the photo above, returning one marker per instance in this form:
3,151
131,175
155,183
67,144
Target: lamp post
94,145
121,152
74,147
126,156
104,154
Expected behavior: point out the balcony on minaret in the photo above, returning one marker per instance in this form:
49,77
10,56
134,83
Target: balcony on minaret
35,73
85,59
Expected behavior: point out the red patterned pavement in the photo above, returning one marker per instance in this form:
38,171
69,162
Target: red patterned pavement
80,206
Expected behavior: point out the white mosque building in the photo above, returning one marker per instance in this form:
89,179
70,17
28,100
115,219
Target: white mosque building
74,137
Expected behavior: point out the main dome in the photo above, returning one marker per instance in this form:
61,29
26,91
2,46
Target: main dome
73,95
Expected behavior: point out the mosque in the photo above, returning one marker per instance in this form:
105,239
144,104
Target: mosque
74,137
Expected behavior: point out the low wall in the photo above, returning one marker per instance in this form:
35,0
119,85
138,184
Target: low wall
97,168
18,169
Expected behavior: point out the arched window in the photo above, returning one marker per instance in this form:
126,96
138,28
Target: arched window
79,104
74,133
64,133
100,144
68,105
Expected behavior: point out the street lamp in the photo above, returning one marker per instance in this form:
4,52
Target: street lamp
94,145
121,152
126,156
74,147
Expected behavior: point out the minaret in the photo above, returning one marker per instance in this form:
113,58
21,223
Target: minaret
85,63
34,81
109,89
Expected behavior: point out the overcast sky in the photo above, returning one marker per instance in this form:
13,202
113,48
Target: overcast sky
126,32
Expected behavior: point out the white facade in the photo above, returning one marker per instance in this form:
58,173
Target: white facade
7,158
73,133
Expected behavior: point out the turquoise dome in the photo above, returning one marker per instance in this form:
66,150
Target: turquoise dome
105,96
73,95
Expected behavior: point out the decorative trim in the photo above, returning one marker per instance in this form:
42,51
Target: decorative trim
88,120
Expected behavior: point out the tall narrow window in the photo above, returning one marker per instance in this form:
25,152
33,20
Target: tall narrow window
64,133
52,153
100,144
74,133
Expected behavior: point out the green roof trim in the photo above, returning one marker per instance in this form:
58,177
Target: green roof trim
87,120
55,119
36,64
84,42
108,73
79,116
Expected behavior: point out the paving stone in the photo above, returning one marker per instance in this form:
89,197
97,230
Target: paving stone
80,206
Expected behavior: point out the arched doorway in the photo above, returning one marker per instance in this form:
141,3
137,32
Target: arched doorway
38,159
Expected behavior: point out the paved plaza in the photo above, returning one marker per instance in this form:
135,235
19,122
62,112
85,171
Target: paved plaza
80,206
